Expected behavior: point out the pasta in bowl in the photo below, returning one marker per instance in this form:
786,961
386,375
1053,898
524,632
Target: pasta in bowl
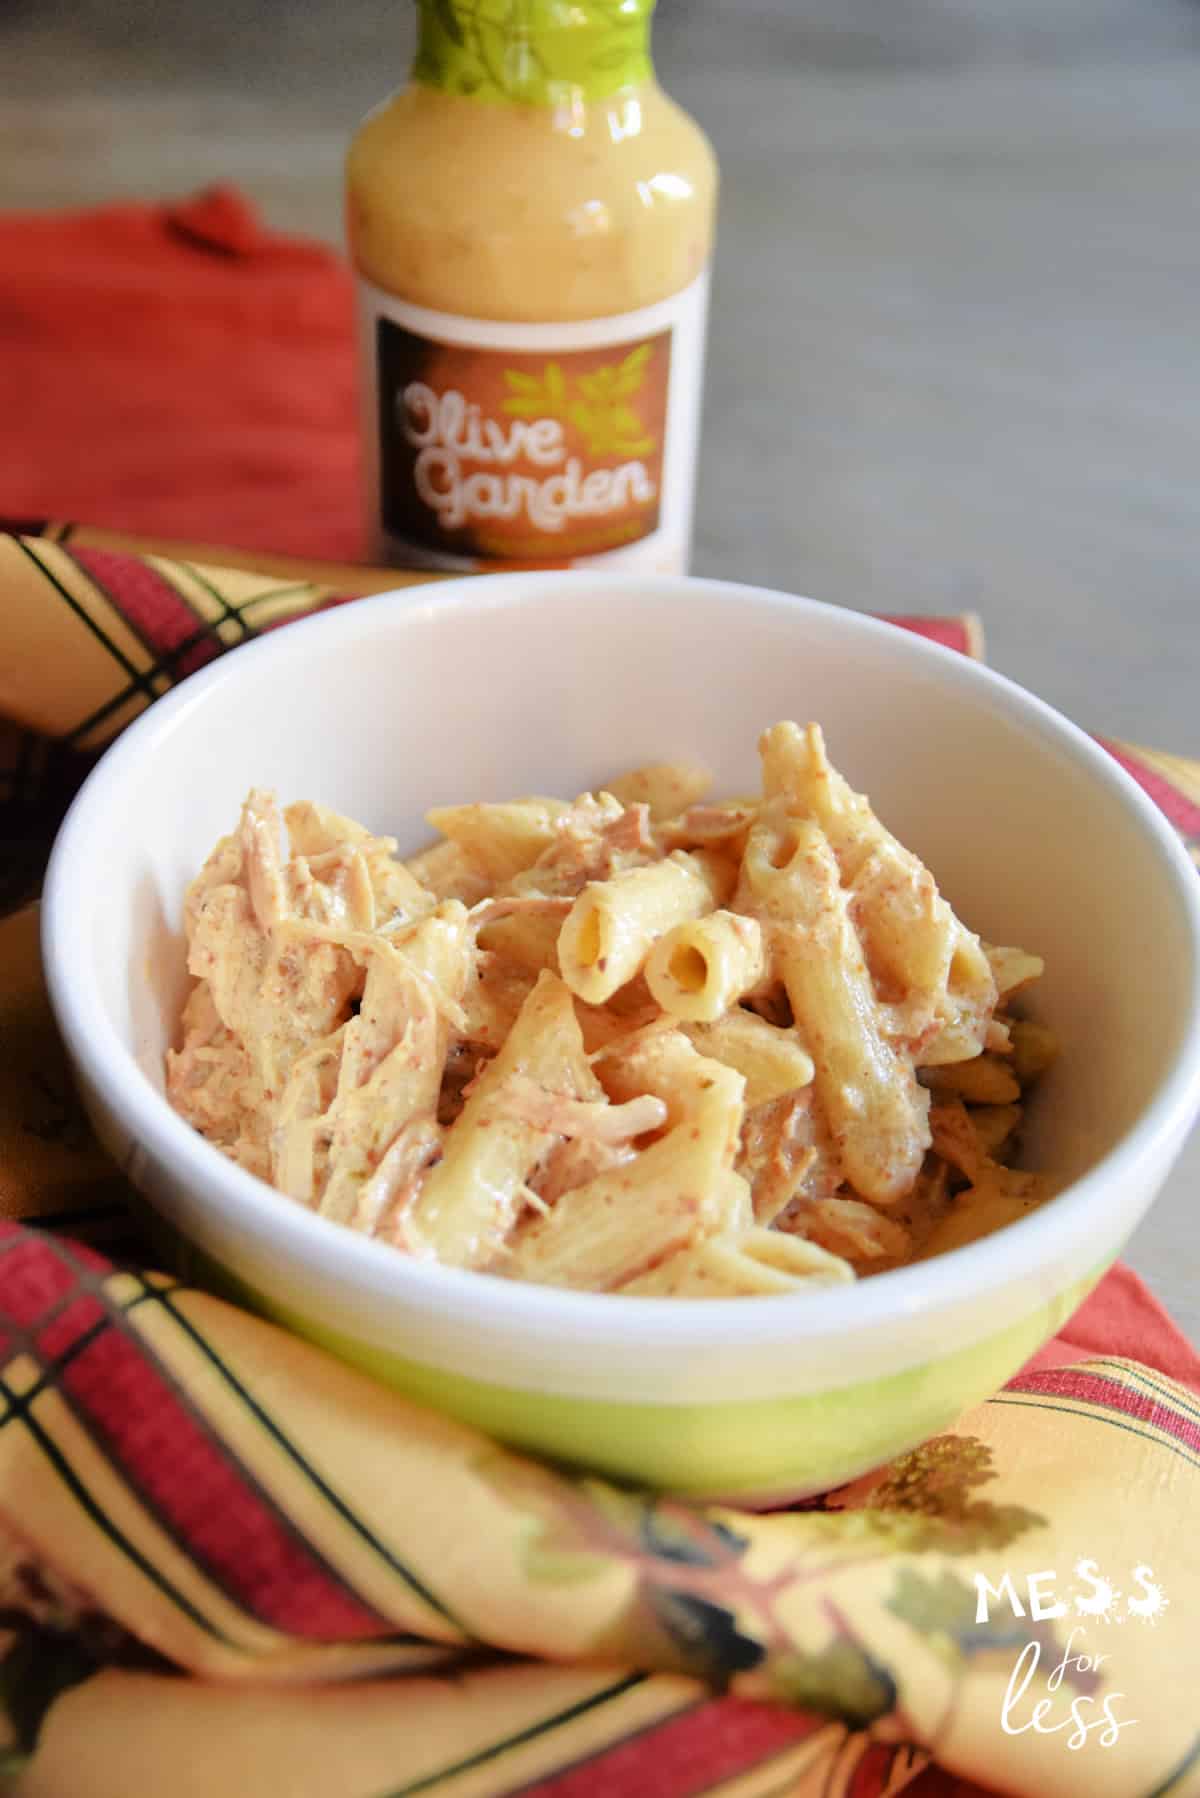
518,684
640,1043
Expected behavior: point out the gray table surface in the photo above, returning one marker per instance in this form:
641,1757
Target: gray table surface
956,327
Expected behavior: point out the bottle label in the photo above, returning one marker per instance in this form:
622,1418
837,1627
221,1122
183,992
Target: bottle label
499,445
538,53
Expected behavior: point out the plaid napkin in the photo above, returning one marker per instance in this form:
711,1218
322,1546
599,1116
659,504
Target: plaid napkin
231,1565
183,1487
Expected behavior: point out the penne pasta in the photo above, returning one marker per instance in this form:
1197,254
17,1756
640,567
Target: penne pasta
876,1110
701,968
469,1203
665,788
772,1060
679,1188
748,1266
910,934
909,925
500,840
446,871
966,1006
599,1236
642,1042
613,924
527,938
987,1080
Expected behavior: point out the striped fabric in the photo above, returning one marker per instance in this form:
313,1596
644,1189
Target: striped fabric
122,629
369,1601
1171,781
121,622
169,1498
119,628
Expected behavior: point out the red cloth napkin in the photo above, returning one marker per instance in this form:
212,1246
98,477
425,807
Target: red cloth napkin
1123,1317
179,371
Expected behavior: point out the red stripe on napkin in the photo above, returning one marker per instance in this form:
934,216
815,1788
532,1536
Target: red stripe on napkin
197,1494
190,1480
1176,806
688,1753
1114,1395
951,633
161,617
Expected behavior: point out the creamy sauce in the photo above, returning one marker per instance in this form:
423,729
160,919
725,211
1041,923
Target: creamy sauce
531,213
531,222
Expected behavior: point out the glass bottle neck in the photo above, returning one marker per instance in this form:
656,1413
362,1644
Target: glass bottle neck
533,52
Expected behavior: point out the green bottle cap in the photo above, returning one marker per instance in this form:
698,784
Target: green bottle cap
533,52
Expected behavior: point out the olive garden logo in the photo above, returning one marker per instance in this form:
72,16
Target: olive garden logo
490,452
452,436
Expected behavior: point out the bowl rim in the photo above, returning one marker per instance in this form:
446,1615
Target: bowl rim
519,1309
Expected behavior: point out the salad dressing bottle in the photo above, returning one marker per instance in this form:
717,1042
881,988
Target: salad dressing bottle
531,222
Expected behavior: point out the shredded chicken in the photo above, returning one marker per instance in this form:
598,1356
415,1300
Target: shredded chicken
594,839
707,824
787,1154
387,1195
464,1063
429,1074
211,1081
855,1230
489,911
495,993
565,1116
574,1162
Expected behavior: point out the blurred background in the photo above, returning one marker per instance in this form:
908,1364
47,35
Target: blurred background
955,355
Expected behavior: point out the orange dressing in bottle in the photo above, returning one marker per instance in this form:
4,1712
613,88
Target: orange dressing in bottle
531,224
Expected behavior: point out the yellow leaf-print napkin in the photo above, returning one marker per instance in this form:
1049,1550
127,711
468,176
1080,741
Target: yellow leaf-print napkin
360,1589
232,1565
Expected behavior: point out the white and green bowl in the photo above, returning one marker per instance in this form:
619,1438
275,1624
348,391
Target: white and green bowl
548,683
